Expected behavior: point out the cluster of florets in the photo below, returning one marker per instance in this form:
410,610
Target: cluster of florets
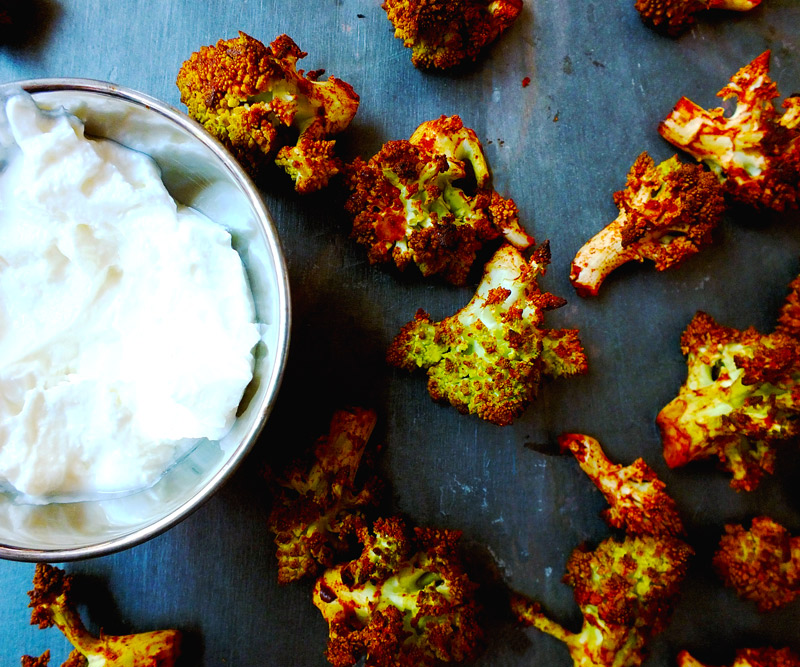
488,358
252,97
754,151
52,605
741,396
404,601
410,205
674,16
444,34
625,588
761,564
667,213
312,500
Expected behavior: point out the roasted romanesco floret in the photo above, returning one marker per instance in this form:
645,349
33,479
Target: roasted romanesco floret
488,358
625,588
750,657
741,397
406,601
754,151
313,500
761,564
626,591
409,205
442,34
666,214
252,98
52,604
673,16
639,503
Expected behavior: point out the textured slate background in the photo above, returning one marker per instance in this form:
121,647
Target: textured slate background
600,83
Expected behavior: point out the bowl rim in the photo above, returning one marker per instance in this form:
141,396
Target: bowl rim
272,380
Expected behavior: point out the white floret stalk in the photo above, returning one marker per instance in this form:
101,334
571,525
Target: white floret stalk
599,256
686,660
734,5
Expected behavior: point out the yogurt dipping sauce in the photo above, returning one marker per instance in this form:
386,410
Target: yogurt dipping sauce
126,322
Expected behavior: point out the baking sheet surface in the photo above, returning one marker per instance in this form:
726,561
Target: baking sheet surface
600,82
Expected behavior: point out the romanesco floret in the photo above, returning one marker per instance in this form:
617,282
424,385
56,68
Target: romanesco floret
761,564
626,591
754,151
252,97
51,601
312,500
443,34
408,204
667,213
639,503
405,601
750,657
488,358
740,398
674,16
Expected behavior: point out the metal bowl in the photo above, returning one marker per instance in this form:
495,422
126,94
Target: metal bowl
200,173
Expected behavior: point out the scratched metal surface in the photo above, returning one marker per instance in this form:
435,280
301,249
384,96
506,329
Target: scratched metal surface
600,83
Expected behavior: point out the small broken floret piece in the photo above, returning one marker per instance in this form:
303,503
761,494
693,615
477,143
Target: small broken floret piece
252,98
626,592
754,151
408,203
666,214
488,358
740,398
789,317
443,34
639,503
762,564
31,661
405,601
313,500
52,605
673,16
750,657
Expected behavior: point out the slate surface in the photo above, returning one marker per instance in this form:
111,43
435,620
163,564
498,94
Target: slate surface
600,83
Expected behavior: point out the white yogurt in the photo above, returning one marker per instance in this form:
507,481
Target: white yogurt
126,322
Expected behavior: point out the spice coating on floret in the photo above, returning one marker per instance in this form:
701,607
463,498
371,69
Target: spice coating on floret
761,564
313,500
252,98
626,591
488,358
409,207
674,16
750,657
444,33
740,398
754,151
405,601
639,502
51,601
667,213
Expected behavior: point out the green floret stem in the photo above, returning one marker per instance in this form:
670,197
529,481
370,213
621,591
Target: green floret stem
305,111
400,590
597,644
136,650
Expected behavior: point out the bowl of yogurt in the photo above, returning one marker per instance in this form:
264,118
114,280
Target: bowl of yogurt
144,317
